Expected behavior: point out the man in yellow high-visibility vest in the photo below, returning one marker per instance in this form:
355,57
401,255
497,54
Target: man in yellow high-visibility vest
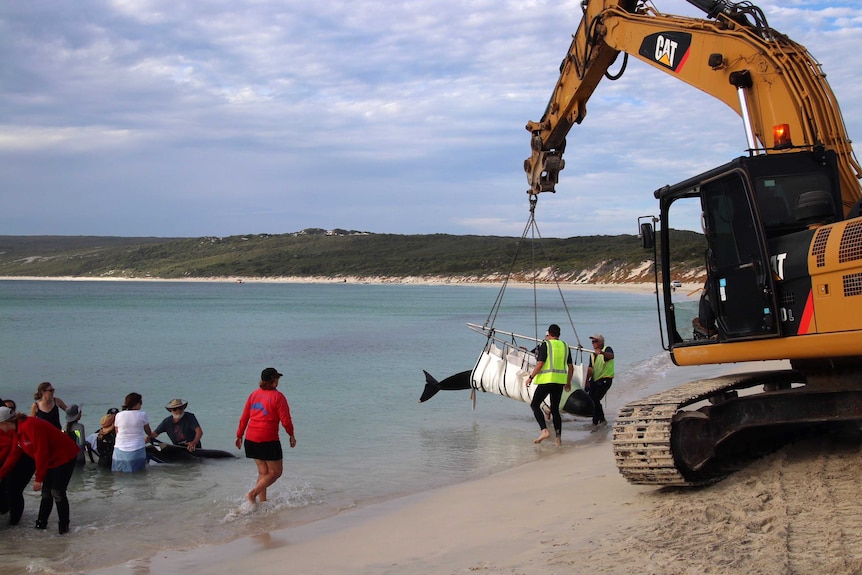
600,376
552,375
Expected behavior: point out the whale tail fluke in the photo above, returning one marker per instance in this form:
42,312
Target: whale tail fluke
432,386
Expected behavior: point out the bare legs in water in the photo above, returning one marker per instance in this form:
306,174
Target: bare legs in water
268,473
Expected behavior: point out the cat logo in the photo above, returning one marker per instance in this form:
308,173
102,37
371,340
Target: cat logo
777,262
667,49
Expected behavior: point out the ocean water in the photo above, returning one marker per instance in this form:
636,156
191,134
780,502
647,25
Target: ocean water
352,356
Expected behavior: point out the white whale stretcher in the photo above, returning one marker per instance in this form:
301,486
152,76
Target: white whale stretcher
503,369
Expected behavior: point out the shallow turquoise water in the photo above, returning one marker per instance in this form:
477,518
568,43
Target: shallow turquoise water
353,357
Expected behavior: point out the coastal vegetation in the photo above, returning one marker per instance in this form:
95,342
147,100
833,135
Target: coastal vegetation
348,255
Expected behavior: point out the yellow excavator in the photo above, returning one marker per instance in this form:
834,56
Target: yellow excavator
782,230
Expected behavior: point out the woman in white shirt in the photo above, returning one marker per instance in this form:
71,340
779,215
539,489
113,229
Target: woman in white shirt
133,429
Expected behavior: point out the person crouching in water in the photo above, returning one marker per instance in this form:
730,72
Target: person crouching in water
552,375
105,439
54,454
14,476
181,426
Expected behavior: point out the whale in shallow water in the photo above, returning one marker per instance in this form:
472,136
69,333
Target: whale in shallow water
169,453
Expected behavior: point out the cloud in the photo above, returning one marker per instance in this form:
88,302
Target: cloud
167,118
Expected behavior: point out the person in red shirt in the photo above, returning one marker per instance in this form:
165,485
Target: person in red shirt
14,482
54,454
264,410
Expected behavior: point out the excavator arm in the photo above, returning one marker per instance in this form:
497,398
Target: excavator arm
773,83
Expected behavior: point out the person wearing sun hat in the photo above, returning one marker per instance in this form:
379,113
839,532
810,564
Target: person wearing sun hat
106,424
105,438
75,430
181,426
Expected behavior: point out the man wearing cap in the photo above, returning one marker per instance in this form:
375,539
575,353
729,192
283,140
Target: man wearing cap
552,375
181,426
600,375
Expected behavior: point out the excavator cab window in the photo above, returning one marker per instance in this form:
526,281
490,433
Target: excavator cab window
738,273
782,199
736,301
683,245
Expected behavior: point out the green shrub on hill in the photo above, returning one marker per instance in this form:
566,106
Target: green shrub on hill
340,254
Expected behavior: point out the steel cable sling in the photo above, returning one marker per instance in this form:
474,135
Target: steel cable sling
531,228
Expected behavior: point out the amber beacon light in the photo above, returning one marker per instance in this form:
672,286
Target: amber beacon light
781,136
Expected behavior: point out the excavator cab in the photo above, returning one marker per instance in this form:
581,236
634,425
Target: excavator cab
758,216
783,281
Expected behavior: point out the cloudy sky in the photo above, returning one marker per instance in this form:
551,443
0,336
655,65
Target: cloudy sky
223,117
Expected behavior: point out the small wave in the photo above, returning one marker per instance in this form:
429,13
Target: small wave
643,375
298,494
244,509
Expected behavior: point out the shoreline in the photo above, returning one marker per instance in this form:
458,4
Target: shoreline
458,528
632,287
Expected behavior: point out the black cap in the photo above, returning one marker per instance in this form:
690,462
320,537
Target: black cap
269,374
112,411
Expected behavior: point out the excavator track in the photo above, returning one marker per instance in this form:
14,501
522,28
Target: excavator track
642,439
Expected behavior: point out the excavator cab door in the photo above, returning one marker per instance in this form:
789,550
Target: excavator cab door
739,277
758,215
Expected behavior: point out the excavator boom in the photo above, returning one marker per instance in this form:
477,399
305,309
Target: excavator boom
773,83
